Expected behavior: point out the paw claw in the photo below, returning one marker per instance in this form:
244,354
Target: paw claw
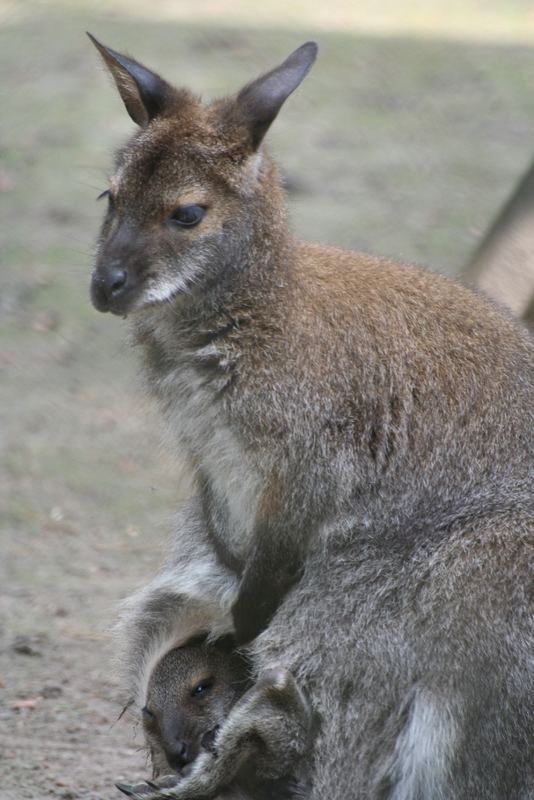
125,789
141,791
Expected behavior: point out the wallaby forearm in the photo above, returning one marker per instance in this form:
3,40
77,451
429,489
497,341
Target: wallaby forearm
271,569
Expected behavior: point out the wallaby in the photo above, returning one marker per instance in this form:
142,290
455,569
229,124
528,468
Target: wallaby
503,263
362,437
200,699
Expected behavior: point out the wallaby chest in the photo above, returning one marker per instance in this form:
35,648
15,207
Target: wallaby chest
190,382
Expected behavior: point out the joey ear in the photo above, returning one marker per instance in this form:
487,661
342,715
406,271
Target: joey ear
260,101
143,92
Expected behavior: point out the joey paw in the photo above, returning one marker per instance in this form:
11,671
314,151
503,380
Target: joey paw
148,790
275,678
131,790
208,740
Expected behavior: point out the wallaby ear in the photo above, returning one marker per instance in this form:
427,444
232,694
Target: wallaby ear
260,101
143,92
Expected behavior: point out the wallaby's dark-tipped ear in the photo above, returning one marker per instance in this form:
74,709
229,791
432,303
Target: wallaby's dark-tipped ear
259,102
143,92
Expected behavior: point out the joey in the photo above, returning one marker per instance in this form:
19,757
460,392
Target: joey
200,700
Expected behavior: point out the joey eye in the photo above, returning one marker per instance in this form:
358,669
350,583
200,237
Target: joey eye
202,688
187,216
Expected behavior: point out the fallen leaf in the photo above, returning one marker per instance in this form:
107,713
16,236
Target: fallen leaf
29,702
7,181
46,321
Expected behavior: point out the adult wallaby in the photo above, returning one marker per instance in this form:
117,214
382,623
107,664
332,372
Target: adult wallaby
361,434
200,700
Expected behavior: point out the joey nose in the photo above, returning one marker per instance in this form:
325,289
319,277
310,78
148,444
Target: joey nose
179,754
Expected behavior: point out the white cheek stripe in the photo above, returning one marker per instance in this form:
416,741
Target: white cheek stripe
164,288
163,291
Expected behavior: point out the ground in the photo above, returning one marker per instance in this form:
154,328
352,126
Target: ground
406,137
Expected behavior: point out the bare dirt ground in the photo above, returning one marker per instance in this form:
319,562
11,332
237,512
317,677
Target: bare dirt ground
404,141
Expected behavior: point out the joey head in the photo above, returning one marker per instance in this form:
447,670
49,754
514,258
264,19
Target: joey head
190,694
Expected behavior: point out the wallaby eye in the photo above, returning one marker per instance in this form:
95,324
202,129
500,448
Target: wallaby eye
188,216
202,688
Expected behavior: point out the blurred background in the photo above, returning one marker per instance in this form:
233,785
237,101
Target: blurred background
406,139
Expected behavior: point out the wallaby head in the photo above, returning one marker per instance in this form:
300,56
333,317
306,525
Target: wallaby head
190,187
189,696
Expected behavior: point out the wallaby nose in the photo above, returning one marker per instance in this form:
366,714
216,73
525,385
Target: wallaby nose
111,287
116,279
